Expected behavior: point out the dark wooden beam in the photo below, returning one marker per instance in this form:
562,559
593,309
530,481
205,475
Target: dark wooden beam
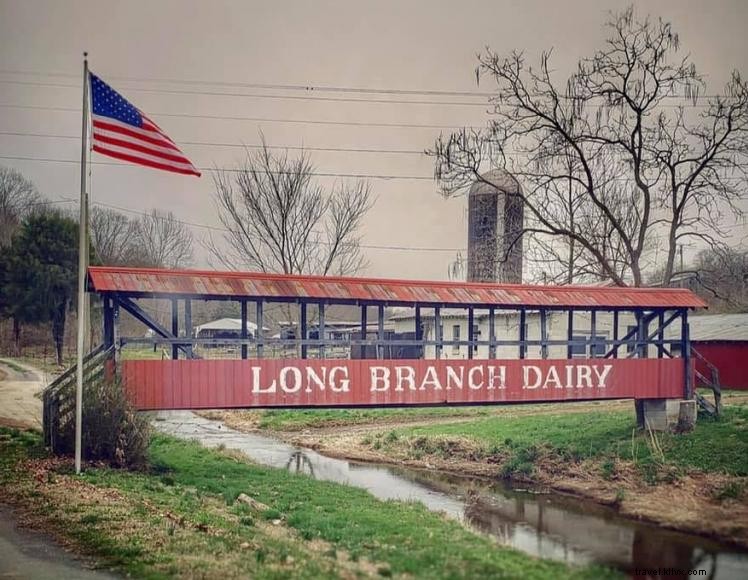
471,334
258,332
175,326
321,329
543,333
491,333
244,331
143,317
303,329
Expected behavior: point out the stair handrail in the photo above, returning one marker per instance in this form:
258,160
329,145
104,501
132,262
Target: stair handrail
713,382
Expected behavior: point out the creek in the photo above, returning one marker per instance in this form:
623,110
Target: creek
537,522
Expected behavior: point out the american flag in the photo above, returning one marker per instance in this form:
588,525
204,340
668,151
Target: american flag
121,131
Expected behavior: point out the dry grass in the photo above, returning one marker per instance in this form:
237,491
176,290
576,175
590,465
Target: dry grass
75,511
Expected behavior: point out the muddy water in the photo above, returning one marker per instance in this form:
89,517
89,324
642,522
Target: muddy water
546,525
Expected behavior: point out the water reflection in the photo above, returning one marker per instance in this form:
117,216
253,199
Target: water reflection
542,524
299,462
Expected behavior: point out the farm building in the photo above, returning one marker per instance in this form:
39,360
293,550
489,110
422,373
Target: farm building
722,339
223,328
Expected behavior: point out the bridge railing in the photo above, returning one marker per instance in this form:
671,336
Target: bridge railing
58,399
235,348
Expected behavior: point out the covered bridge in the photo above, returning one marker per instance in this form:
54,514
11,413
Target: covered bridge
634,361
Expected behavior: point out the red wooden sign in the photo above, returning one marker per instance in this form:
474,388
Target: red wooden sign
215,384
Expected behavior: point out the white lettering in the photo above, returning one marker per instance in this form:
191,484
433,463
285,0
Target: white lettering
569,377
380,379
526,375
471,378
313,377
552,379
584,375
339,385
453,378
431,378
406,375
602,375
256,387
283,378
495,373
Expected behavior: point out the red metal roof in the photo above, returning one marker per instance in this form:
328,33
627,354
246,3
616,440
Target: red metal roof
155,282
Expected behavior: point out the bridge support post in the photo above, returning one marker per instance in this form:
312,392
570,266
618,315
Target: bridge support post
419,333
438,332
615,333
188,324
491,333
108,322
302,329
470,333
380,331
175,327
364,329
544,333
258,332
321,331
641,352
244,332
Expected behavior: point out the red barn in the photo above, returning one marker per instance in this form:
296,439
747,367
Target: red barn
722,339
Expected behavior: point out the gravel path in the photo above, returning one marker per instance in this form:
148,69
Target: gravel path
19,407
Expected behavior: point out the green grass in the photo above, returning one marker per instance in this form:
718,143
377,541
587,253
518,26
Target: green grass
715,445
197,488
294,420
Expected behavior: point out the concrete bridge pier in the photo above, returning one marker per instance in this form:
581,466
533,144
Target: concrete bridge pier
667,414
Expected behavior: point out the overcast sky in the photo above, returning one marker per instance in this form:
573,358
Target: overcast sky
424,45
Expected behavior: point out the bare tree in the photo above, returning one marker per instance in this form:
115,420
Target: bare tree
616,138
722,273
162,241
113,237
18,197
278,220
719,275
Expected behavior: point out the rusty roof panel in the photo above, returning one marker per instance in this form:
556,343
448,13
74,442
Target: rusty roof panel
142,281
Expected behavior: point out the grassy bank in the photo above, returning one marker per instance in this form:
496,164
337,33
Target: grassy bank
297,420
182,519
713,446
695,482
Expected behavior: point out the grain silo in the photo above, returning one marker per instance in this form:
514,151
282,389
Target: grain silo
495,218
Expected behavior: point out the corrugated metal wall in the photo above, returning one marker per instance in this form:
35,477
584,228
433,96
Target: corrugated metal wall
730,358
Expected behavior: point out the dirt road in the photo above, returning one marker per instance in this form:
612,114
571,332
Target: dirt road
19,384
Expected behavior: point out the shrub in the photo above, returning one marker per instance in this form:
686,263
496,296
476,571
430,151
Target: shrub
112,431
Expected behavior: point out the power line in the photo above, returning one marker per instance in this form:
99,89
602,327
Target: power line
240,145
260,95
273,86
227,170
305,87
259,119
486,105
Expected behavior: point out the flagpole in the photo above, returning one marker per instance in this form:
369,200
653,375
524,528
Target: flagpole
82,267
